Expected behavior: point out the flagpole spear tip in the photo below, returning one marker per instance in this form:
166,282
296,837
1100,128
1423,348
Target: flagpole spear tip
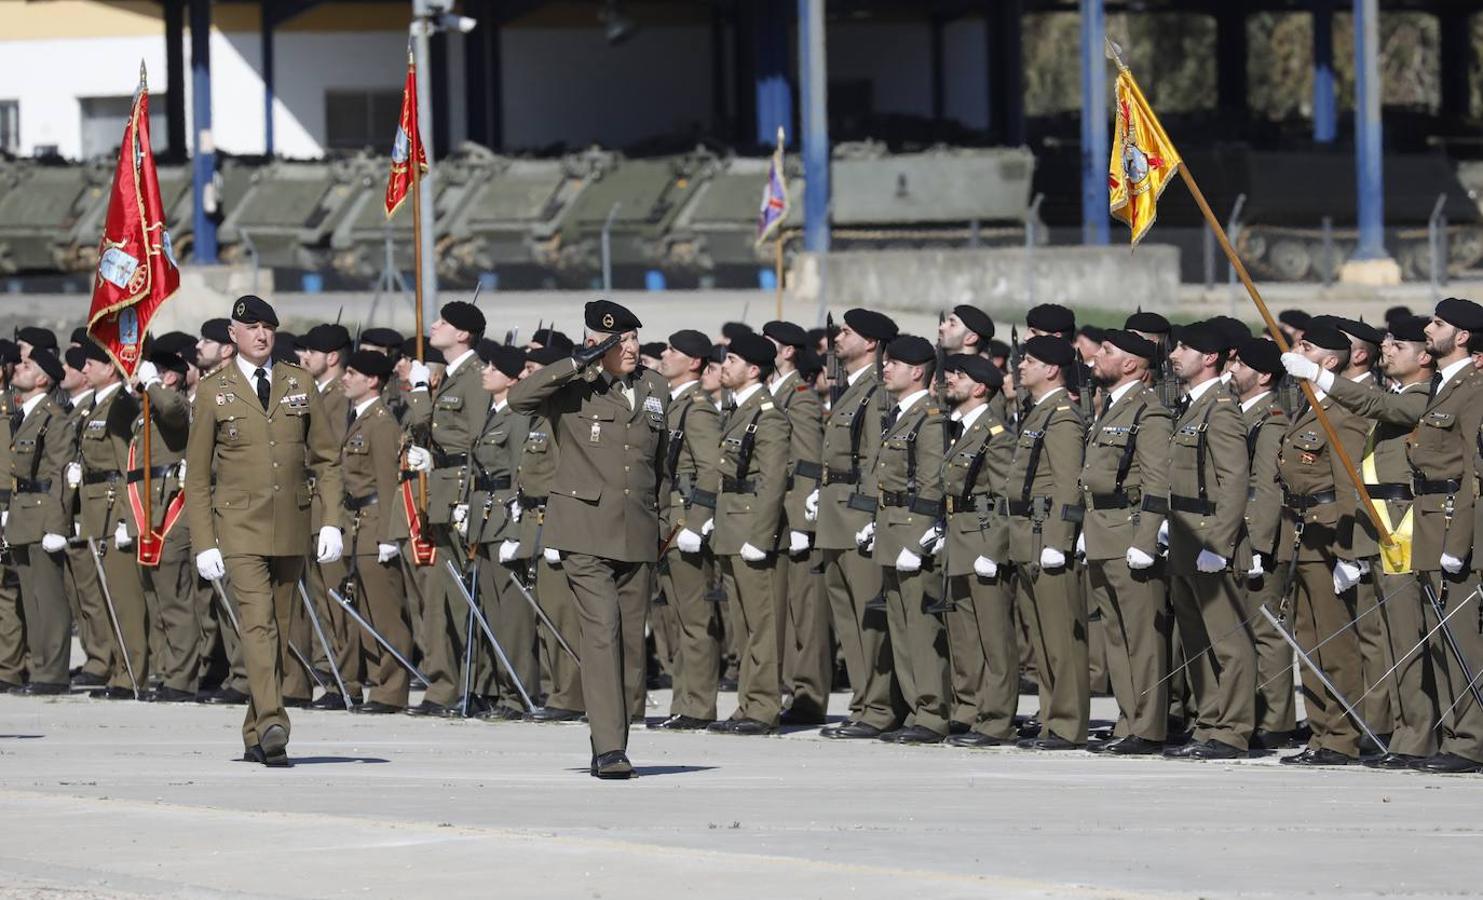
1114,52
781,138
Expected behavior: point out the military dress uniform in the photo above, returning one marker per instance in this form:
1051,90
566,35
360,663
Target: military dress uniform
12,622
94,627
39,453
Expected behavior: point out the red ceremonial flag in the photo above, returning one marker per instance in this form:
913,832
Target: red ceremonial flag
136,266
408,147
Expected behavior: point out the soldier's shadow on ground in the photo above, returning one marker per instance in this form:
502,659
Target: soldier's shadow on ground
641,771
20,737
327,760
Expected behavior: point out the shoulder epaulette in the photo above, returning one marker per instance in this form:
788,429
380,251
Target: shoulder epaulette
767,404
219,367
1063,408
801,388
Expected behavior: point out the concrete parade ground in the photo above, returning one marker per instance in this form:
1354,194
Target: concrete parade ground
121,799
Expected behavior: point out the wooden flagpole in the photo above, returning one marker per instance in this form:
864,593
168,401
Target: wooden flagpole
417,264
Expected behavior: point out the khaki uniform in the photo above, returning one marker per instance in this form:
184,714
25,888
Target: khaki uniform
1276,707
373,508
1044,505
257,512
752,481
909,491
39,453
693,455
94,628
1315,495
342,632
1125,487
12,627
852,578
1208,478
603,516
803,623
452,416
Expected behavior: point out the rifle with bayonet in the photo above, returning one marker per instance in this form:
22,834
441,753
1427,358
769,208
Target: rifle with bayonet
835,368
1021,396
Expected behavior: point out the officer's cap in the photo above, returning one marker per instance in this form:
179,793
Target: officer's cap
1203,337
251,309
691,343
786,333
1050,349
733,330
47,362
609,317
1322,334
1234,331
1051,317
325,338
1294,318
754,348
94,351
871,325
1128,342
912,350
214,330
463,316
389,338
168,361
37,337
75,357
1409,328
1147,322
1261,355
976,367
976,320
369,362
1461,314
549,354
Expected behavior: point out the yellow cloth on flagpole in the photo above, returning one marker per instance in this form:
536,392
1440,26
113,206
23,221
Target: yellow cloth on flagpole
1144,160
1395,557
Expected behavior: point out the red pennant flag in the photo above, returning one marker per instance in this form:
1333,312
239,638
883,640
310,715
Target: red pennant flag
407,151
136,266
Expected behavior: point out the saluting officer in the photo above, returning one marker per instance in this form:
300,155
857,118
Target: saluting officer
603,517
258,427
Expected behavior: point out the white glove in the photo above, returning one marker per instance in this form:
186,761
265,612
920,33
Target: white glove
552,555
121,538
210,565
1258,567
1209,562
147,373
1163,538
932,541
385,553
461,519
1451,564
418,374
752,554
907,561
1300,366
811,505
180,471
507,550
984,567
1138,560
1081,545
797,542
516,510
4,517
419,459
1051,558
331,545
53,543
74,474
1346,575
688,541
865,537
707,528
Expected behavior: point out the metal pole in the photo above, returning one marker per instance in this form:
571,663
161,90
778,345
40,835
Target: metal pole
1032,237
607,247
422,55
1094,123
1368,163
814,85
203,145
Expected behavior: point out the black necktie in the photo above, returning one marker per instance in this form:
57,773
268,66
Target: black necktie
1106,405
349,418
891,418
1436,386
262,386
954,429
16,418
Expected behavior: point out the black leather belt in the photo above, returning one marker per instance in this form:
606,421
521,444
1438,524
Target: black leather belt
833,477
492,483
706,499
956,504
1389,491
1421,486
101,477
137,475
862,503
730,485
903,500
528,501
28,486
805,469
1301,502
1192,505
451,460
1115,500
355,503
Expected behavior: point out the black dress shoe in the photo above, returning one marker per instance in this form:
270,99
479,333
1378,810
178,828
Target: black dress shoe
111,693
500,714
1100,744
974,739
328,700
722,726
956,727
163,694
41,689
1030,727
1133,745
296,703
1392,761
852,731
1318,757
1368,747
802,717
553,715
1270,740
1047,743
1211,750
683,723
915,734
1447,764
377,708
429,708
227,697
88,680
274,742
611,766
255,754
751,728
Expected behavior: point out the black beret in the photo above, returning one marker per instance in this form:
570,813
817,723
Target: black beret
911,349
999,348
1048,348
1294,318
547,355
216,330
1409,328
976,367
786,333
75,357
550,337
509,360
177,342
691,343
718,353
47,362
1461,314
1321,334
283,347
389,338
733,330
369,362
325,338
1203,337
463,316
1092,333
1132,343
10,353
37,337
754,348
1051,317
1361,331
810,363
94,351
1261,354
652,349
976,320
430,353
609,317
871,325
167,361
251,309
817,334
80,335
1147,322
1233,330
1397,312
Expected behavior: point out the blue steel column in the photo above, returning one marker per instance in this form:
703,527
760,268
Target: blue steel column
266,9
774,99
812,69
1325,108
203,147
1094,123
1368,162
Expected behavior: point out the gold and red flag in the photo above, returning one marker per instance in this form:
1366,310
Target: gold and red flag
407,151
1144,160
136,265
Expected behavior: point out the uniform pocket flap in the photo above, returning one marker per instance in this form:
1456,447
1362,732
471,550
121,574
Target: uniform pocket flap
231,500
589,493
